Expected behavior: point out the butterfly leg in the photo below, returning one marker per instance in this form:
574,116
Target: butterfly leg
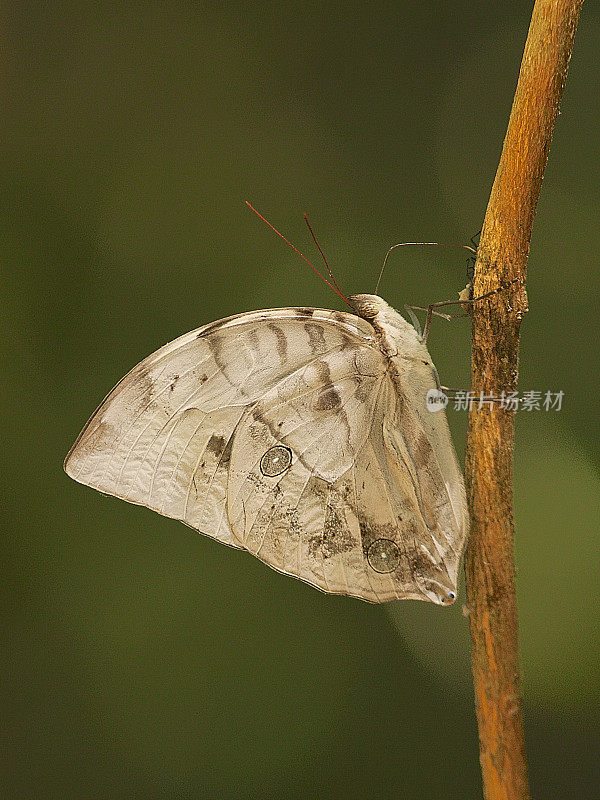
462,301
450,392
415,320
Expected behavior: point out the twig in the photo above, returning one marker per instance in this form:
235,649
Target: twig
502,257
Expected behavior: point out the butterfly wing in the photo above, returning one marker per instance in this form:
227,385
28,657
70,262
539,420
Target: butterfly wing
324,485
163,437
284,432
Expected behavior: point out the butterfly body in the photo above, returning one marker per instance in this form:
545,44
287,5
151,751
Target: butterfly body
301,435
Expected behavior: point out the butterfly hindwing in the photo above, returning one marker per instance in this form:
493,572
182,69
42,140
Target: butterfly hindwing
336,505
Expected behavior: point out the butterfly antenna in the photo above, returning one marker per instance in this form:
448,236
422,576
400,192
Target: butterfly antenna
333,285
418,244
312,233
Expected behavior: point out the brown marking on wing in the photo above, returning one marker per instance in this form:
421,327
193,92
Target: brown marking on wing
370,531
212,327
363,389
226,454
281,341
422,450
323,372
216,444
327,400
316,336
413,560
216,348
337,538
148,391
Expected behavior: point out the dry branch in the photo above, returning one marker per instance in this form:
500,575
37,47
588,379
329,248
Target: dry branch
502,258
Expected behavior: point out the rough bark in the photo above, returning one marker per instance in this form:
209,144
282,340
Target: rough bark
502,258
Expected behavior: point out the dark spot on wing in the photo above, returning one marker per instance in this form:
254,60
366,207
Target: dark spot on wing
216,444
327,400
210,328
370,531
216,348
384,556
336,537
343,318
221,448
173,382
419,561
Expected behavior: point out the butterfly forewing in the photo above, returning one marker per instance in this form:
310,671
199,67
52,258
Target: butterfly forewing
163,436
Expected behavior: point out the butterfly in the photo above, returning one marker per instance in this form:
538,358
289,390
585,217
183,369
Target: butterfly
301,435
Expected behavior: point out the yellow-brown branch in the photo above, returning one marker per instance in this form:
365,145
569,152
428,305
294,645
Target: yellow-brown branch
502,258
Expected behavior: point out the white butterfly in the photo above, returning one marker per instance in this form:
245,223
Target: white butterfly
298,434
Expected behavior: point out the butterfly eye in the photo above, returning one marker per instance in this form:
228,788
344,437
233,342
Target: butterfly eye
448,598
383,555
275,461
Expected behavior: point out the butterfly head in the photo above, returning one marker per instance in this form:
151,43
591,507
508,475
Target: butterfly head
439,593
367,306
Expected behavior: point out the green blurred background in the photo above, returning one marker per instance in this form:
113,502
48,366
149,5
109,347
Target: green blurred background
141,659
